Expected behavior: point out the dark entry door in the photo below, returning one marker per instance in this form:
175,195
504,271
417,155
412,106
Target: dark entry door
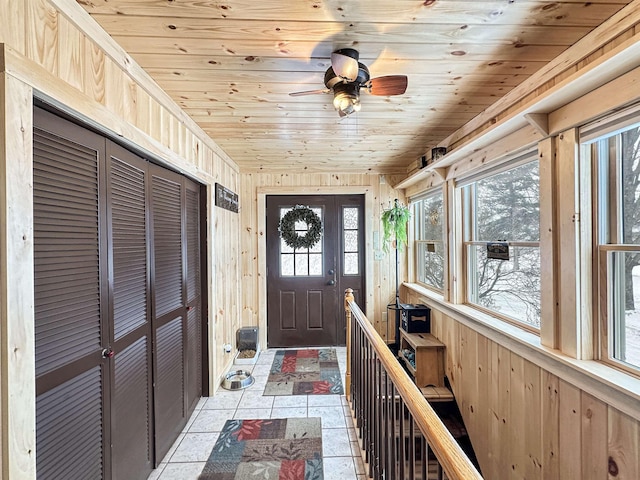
305,286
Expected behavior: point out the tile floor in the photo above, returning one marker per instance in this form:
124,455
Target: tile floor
189,453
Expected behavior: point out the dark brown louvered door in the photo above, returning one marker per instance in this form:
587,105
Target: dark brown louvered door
194,295
130,332
118,305
72,377
169,307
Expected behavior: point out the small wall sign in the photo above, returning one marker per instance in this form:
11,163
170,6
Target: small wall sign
226,199
498,250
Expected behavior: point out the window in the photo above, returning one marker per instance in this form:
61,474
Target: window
301,262
428,216
615,157
350,240
504,208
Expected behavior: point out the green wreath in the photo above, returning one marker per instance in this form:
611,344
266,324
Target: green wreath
287,227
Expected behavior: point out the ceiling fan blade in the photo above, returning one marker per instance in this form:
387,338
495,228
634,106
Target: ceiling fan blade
388,85
309,92
344,66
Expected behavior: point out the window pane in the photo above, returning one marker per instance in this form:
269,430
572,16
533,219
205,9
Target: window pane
350,218
428,218
507,205
302,264
625,321
350,264
315,264
351,241
630,159
433,213
431,264
511,287
317,248
306,261
284,248
286,265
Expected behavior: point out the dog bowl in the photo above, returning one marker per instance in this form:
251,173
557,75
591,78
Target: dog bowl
237,380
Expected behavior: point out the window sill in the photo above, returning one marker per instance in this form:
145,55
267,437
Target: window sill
615,387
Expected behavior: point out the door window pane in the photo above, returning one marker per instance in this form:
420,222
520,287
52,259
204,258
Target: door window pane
350,235
301,262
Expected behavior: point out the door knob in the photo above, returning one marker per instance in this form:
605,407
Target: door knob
332,272
108,353
331,282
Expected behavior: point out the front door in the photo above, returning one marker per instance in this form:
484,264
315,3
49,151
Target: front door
305,285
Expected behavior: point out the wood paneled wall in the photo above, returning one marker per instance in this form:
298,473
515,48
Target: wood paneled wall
526,422
380,277
52,49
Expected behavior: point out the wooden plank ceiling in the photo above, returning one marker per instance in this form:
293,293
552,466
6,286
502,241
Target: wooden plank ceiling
232,63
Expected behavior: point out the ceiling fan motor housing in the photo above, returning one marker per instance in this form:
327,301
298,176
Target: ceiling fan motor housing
331,79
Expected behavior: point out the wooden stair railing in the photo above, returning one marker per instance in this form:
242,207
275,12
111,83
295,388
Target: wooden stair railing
401,436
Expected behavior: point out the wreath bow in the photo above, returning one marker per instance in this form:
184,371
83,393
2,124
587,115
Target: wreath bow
287,227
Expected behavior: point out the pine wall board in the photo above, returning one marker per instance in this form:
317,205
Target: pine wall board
53,50
526,422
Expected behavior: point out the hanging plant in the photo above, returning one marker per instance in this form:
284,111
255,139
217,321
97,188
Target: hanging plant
394,223
287,227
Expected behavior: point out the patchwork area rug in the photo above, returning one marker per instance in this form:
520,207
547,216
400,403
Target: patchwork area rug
304,372
277,449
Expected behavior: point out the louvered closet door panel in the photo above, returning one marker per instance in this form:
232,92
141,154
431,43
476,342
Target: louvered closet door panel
194,301
167,243
69,419
169,319
127,189
131,327
194,355
72,401
66,251
193,241
169,384
132,446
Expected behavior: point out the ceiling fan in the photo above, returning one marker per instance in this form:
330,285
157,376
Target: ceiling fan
346,77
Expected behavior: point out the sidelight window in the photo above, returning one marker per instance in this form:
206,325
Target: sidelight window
350,232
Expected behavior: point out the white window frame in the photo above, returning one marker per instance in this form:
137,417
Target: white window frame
468,241
417,203
600,143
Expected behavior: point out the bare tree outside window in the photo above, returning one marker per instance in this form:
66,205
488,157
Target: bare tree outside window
630,164
506,207
617,161
429,240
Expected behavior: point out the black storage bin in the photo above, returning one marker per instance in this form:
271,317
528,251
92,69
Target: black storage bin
416,318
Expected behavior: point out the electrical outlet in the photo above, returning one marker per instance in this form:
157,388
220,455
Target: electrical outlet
378,255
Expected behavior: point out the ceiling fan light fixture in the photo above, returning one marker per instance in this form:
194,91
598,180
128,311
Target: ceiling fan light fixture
346,98
347,76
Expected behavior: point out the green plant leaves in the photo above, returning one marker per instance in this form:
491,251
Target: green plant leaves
394,224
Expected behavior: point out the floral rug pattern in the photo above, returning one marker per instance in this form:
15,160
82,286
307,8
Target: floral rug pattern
304,372
275,449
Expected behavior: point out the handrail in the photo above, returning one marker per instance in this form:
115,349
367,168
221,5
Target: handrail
451,457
